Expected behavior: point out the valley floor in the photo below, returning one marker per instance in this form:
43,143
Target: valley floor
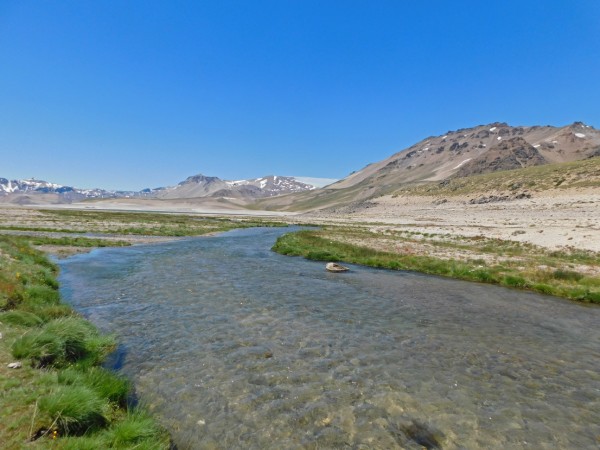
551,219
552,233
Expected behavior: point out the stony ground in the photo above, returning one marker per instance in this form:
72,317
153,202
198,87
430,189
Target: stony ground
553,219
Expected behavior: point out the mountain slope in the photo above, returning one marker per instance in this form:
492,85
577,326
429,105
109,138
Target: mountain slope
468,151
438,158
513,153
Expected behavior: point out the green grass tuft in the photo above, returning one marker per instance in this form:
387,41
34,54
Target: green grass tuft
74,409
50,312
23,318
514,281
568,275
42,348
62,341
105,383
136,430
41,294
74,332
322,256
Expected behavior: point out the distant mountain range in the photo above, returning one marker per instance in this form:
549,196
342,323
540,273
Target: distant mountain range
34,191
461,153
38,191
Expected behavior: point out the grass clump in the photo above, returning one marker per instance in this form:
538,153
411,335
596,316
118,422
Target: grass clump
41,295
22,318
74,409
76,241
105,383
49,312
41,348
77,336
62,341
569,275
514,281
135,430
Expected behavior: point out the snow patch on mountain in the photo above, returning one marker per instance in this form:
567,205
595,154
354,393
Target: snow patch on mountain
316,182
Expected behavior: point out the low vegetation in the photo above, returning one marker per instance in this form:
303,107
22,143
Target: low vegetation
60,397
577,174
124,223
569,273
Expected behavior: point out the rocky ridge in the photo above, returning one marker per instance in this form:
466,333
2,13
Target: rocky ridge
480,149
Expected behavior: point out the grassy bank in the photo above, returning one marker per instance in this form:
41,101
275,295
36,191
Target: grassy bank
572,274
123,223
60,397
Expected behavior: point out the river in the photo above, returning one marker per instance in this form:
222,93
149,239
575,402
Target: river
234,346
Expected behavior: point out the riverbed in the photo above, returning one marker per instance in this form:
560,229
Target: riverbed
234,346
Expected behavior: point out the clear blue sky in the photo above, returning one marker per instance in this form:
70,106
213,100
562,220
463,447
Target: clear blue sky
134,94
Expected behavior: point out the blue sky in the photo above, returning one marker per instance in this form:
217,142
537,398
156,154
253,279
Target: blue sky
134,94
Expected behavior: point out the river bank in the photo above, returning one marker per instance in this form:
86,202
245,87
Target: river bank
538,232
55,392
284,354
89,229
50,373
547,243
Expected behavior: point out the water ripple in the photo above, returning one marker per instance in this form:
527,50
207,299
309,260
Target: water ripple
234,346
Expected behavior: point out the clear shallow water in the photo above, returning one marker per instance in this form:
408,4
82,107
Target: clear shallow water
234,346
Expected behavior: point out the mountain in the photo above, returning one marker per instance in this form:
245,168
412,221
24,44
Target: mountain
197,186
468,151
203,186
440,157
35,191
